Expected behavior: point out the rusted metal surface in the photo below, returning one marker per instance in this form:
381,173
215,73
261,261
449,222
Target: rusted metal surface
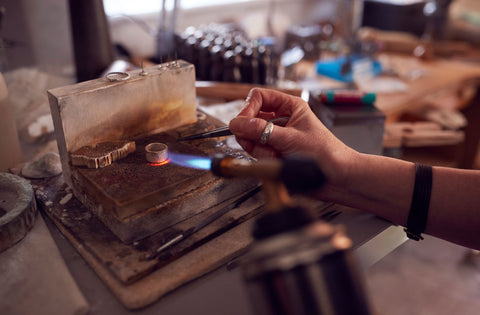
128,262
135,198
133,178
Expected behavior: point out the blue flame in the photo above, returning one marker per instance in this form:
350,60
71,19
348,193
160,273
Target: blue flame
198,162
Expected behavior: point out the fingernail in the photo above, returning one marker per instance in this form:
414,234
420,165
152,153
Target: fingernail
249,97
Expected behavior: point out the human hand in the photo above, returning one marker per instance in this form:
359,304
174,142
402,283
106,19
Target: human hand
303,133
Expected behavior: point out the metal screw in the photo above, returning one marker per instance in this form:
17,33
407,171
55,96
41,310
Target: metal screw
143,72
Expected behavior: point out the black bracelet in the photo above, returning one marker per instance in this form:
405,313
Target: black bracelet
417,218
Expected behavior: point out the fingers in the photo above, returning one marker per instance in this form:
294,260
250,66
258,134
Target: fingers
248,132
248,128
262,105
256,149
267,101
260,151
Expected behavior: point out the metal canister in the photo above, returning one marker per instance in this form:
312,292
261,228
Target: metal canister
309,270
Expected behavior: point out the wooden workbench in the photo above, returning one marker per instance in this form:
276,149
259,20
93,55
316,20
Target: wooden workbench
440,75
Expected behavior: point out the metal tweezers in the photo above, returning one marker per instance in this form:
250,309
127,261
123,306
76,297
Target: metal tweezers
223,131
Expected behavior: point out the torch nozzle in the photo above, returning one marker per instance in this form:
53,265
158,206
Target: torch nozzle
298,173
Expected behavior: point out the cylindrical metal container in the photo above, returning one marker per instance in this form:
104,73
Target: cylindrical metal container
309,270
91,38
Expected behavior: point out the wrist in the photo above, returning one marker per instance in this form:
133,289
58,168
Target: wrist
338,167
341,167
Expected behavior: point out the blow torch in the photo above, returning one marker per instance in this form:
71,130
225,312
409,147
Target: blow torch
297,265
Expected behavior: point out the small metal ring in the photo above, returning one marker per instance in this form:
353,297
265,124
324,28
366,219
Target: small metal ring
201,116
113,76
266,133
156,152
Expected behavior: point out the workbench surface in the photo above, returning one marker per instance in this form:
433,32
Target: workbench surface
222,291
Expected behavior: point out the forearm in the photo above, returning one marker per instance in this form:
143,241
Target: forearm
381,185
384,186
376,184
454,206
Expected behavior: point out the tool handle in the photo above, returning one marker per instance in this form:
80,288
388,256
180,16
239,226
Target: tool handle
300,174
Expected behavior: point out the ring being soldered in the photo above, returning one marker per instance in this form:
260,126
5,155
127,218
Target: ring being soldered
156,152
266,133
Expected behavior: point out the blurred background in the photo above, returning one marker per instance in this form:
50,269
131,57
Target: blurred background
304,44
40,32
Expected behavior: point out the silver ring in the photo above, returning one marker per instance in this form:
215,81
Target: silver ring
266,133
117,76
156,152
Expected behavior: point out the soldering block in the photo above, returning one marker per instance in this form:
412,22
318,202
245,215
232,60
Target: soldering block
100,110
132,196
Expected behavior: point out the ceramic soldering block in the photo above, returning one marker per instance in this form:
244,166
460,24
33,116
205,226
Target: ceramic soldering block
143,103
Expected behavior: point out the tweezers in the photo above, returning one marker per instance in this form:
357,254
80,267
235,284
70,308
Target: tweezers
223,131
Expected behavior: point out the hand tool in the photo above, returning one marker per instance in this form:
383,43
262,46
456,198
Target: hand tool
294,255
224,131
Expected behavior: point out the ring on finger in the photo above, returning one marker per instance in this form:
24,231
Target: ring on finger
266,133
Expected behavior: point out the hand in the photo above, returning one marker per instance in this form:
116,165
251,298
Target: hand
303,133
378,184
